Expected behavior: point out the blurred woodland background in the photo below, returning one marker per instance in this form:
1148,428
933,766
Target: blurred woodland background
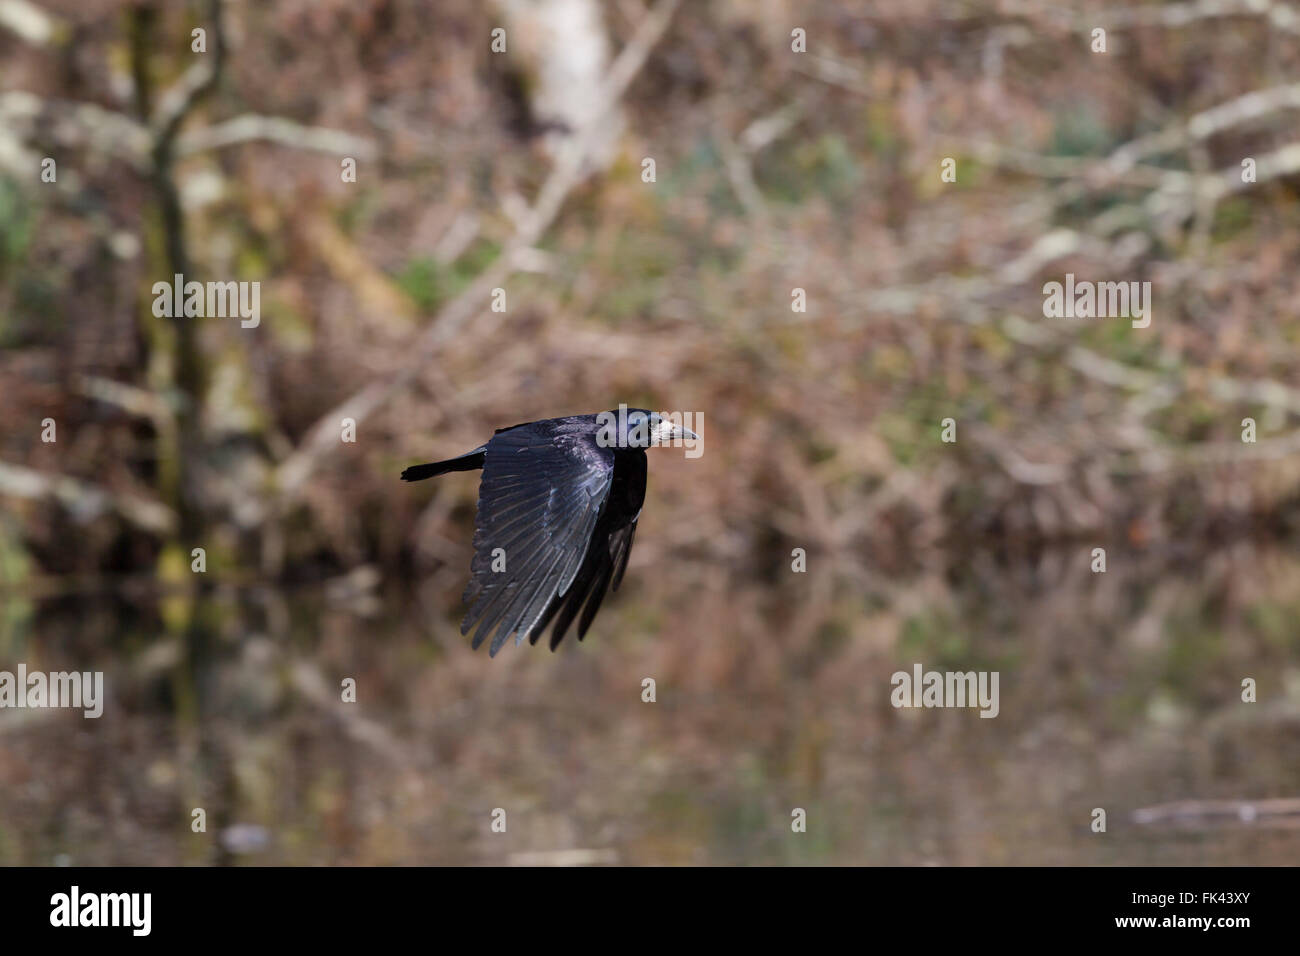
775,170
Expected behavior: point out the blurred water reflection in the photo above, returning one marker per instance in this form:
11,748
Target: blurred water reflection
1119,690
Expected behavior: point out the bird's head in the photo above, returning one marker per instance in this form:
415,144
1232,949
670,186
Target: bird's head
642,428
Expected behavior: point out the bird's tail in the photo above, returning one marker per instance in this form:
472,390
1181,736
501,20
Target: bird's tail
466,462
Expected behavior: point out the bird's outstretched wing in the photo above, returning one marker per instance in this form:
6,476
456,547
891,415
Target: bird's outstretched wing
538,502
606,558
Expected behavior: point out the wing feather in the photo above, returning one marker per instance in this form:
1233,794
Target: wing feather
540,497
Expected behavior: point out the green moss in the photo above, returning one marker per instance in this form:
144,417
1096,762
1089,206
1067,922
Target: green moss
17,222
825,166
425,281
430,283
1077,131
935,639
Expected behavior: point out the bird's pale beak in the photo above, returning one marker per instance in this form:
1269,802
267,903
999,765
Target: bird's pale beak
669,431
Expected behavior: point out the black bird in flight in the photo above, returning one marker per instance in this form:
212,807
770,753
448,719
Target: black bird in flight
557,509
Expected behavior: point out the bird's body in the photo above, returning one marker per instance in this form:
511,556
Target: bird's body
557,510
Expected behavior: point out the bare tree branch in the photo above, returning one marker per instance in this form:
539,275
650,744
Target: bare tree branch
26,117
84,501
1206,124
567,172
31,24
1174,15
252,127
194,84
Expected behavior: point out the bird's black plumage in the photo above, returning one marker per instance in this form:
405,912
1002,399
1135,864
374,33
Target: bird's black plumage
557,511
